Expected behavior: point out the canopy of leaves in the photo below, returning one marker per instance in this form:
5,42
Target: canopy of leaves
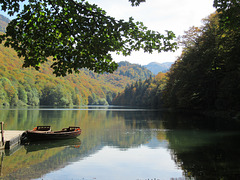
76,34
136,2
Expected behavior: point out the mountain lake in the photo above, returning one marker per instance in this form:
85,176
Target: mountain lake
122,143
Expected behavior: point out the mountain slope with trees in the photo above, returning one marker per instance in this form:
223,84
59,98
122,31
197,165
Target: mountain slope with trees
143,93
26,86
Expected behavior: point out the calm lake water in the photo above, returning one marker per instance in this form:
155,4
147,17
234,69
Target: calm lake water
119,143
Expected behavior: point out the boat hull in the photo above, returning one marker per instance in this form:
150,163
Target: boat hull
35,135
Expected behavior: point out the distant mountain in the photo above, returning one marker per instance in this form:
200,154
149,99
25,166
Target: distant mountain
155,67
3,23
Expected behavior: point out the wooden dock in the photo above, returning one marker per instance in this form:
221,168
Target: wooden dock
11,139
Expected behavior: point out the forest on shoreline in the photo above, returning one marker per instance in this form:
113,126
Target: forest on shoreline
28,87
205,77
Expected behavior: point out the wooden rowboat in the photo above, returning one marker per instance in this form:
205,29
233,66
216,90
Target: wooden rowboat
45,133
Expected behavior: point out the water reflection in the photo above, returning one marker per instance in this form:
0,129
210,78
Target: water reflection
43,145
132,144
114,163
206,155
204,148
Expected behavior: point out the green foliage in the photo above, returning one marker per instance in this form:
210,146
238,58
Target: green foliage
3,96
9,92
92,99
102,101
22,95
143,93
207,73
77,35
95,100
33,97
229,13
110,96
136,2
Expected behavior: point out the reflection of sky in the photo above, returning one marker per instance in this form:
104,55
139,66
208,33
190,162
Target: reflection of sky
155,143
114,164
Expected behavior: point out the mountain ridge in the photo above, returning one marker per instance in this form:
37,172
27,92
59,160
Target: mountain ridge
156,67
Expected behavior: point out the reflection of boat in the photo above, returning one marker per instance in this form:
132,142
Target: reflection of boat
45,133
42,145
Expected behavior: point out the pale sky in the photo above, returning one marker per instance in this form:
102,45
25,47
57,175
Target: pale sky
158,15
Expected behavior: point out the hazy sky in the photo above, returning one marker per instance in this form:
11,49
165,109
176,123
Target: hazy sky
158,15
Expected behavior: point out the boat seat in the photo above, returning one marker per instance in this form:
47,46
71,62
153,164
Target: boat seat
43,128
73,128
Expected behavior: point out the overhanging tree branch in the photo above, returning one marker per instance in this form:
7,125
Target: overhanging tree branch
77,35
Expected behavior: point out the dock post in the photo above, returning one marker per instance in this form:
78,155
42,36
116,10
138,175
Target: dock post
2,133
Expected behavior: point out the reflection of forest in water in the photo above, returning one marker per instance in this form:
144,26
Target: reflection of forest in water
204,148
198,145
99,128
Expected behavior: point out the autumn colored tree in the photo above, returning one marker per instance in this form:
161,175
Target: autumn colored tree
9,92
